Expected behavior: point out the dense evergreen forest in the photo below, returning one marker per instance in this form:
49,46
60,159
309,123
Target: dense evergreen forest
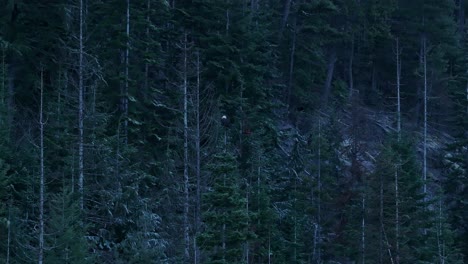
233,131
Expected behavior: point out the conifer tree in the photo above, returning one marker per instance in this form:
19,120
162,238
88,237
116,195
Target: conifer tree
66,236
225,218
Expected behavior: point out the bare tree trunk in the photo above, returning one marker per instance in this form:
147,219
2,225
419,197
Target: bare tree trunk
186,176
148,24
330,69
389,250
198,160
363,227
11,98
291,65
397,219
287,8
397,202
258,200
319,195
125,94
5,120
381,215
425,120
2,91
246,245
269,248
350,69
398,77
81,111
440,240
295,221
9,234
42,183
228,20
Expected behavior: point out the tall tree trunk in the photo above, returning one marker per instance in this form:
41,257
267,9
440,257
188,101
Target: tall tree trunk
125,93
363,224
397,218
247,244
425,120
397,201
350,69
4,77
381,216
284,20
148,25
42,183
295,220
81,111
228,19
198,161
9,234
186,176
440,240
11,98
291,65
398,77
319,195
328,82
2,91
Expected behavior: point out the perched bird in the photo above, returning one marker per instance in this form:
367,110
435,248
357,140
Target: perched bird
224,121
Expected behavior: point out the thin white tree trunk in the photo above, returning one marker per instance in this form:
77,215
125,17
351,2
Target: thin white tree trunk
81,111
330,71
425,120
295,220
198,159
381,244
397,219
389,250
2,104
186,176
398,77
291,65
363,228
350,69
440,240
228,20
9,234
287,8
269,248
319,195
42,183
246,245
148,24
125,95
2,92
397,202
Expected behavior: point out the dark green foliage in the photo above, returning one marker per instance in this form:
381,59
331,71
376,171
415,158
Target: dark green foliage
226,219
295,177
66,230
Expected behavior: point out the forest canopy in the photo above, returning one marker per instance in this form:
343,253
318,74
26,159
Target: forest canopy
233,131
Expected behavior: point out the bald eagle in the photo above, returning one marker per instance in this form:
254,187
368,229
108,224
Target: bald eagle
224,121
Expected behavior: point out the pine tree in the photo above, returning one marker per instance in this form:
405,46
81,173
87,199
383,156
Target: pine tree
66,235
225,218
405,222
